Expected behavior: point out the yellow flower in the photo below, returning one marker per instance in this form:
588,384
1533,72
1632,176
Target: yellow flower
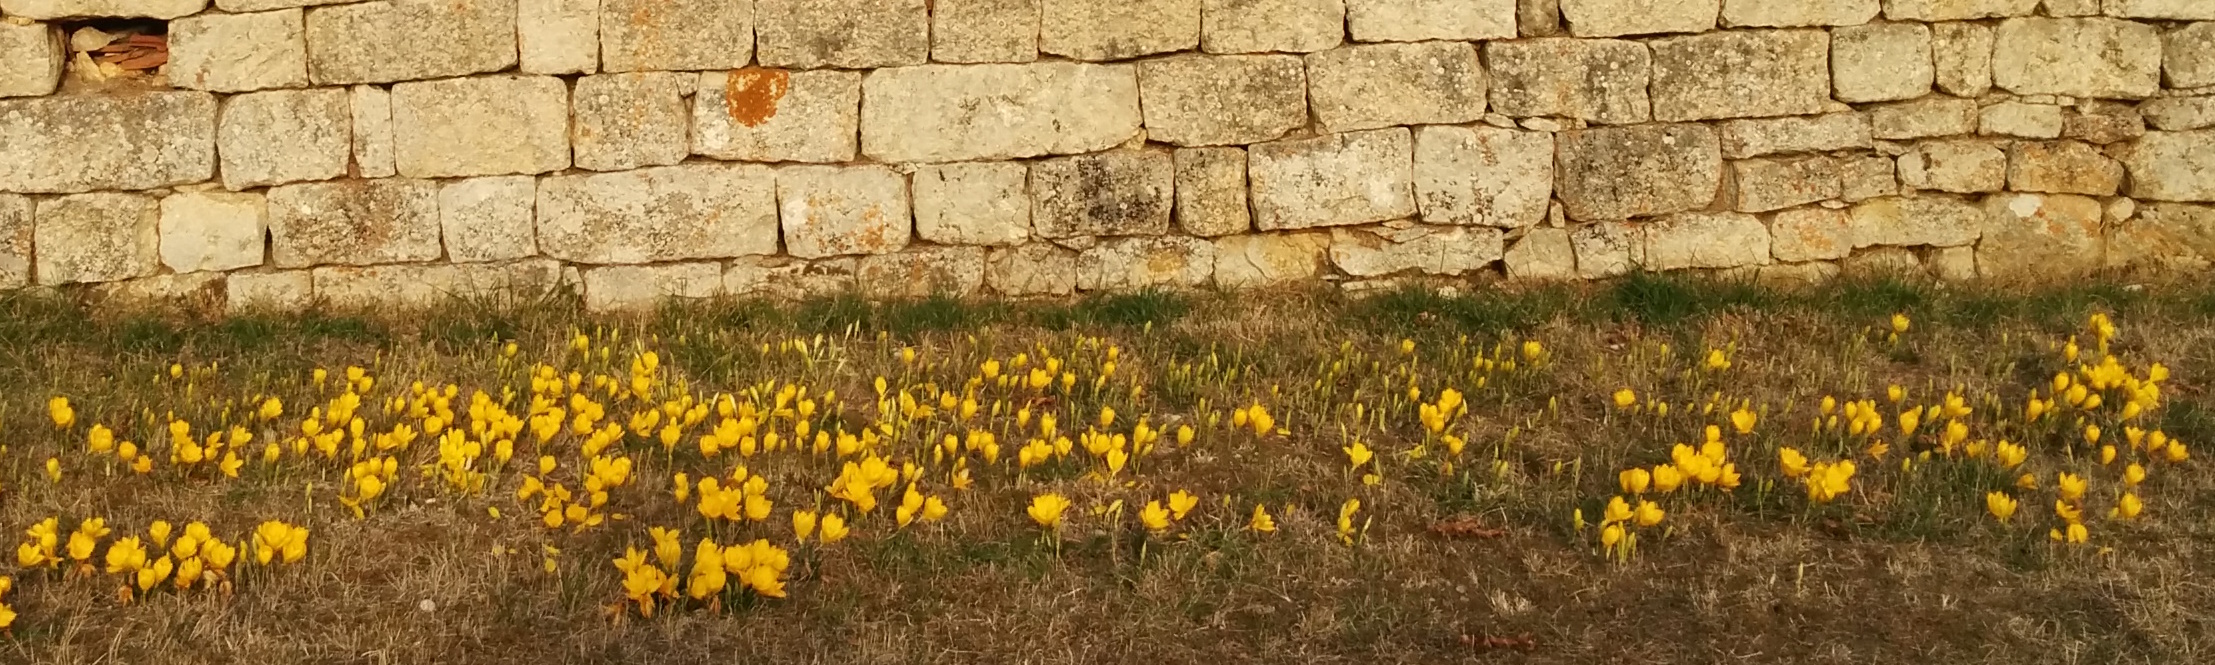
1909,420
1743,420
667,548
1894,393
2107,454
1046,509
833,527
2068,513
1648,513
803,525
86,537
1154,516
1261,521
54,469
126,556
100,440
1878,449
1611,535
1358,454
58,409
1181,503
2128,507
2133,475
1716,361
1346,520
1618,510
2071,486
2075,534
708,576
1792,462
1666,478
2010,455
2000,505
1624,398
1634,481
1899,323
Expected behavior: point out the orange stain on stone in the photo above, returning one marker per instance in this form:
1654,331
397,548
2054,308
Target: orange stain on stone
750,95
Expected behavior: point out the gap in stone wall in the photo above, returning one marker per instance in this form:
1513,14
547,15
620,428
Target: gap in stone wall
115,54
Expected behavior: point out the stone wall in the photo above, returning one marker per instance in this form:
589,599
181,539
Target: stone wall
396,151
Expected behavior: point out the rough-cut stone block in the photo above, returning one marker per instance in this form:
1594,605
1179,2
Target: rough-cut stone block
1129,264
2103,125
52,9
1424,20
372,110
98,237
2178,114
1333,180
1961,167
414,286
78,143
213,231
2030,121
558,36
1796,275
1955,10
237,52
786,277
1618,173
2036,235
2180,10
489,219
1094,30
1768,136
1952,264
1775,184
15,240
1866,177
669,35
1036,269
491,125
2176,236
1880,62
1924,118
1596,80
2172,166
281,136
286,290
1795,13
1543,253
404,40
629,120
2070,7
31,60
1706,240
1610,18
1810,234
922,271
1741,74
1373,251
633,288
984,30
1885,261
669,213
848,34
1538,18
973,204
1116,193
244,6
353,222
2062,167
1962,56
2079,57
1269,259
945,113
1211,191
772,115
1262,26
1939,220
834,211
1483,175
1222,99
2188,59
1608,249
190,289
1379,85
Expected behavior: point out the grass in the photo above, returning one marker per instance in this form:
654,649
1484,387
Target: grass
1476,560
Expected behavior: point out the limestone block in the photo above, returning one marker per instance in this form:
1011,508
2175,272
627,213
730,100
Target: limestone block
285,290
31,59
786,277
1595,80
629,120
1955,10
2062,167
1372,251
2030,121
1368,86
944,113
238,52
1483,175
489,219
1961,53
244,6
52,9
983,203
1222,99
1959,166
190,289
1608,249
1924,118
1262,26
1953,264
1768,136
1866,177
922,271
2180,10
1775,184
558,36
1881,62
1255,260
280,136
1810,234
1741,74
1423,20
1616,173
372,111
2070,7
2177,236
664,213
1888,261
1796,275
15,240
1611,18
353,222
1115,193
2040,235
2103,125
984,30
78,143
834,210
772,115
1939,220
1706,240
1538,18
1094,30
1035,269
405,40
97,237
2188,59
416,286
2172,166
670,35
1211,191
213,231
2178,114
1129,264
637,288
1542,254
2078,57
847,34
489,125
1333,180
1794,13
